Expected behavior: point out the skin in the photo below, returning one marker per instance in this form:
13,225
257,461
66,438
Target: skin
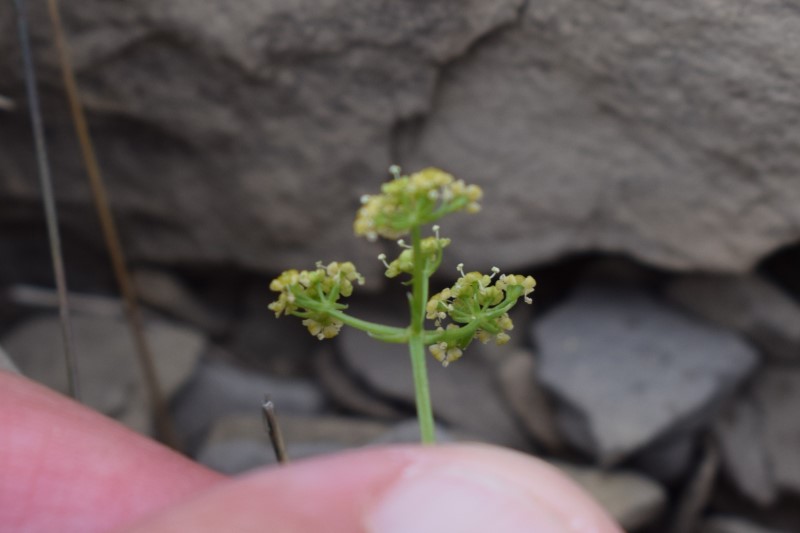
66,468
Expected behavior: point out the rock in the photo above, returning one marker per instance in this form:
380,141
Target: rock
6,364
218,389
595,123
137,414
239,442
653,130
696,495
293,103
407,432
343,389
238,456
777,393
281,347
464,395
731,524
177,350
748,304
740,434
628,370
668,460
632,499
233,457
47,298
347,431
166,293
107,363
523,393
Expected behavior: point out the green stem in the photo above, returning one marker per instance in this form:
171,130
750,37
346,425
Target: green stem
384,333
416,345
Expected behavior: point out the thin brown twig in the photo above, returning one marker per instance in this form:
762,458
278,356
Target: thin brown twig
274,431
164,426
51,215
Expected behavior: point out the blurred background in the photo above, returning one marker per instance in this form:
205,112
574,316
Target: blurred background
640,159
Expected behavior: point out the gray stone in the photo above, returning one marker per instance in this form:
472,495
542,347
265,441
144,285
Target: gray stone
107,365
777,393
166,293
30,296
345,391
347,431
732,524
748,304
218,389
524,394
280,347
240,442
740,434
654,129
238,456
6,364
407,432
696,494
649,128
668,460
293,103
464,395
628,370
632,499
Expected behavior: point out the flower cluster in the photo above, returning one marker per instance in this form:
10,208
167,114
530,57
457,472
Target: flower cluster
479,302
409,201
312,294
431,249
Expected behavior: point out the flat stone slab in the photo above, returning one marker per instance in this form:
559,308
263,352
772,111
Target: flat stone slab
108,370
628,369
749,304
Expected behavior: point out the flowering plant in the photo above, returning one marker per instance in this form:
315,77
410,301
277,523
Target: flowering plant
476,306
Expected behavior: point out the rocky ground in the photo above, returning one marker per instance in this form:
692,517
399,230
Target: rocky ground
236,139
671,398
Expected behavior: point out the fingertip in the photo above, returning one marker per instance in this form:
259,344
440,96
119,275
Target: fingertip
464,488
68,468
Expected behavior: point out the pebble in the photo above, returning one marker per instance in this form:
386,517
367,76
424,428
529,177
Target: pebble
632,499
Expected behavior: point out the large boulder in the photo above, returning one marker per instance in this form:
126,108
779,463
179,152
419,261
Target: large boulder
243,134
234,133
659,129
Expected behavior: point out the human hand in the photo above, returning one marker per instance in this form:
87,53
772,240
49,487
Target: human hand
66,468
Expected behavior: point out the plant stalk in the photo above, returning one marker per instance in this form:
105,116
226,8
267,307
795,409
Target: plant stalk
416,345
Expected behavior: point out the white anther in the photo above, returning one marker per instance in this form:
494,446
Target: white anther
394,170
460,268
382,259
402,244
364,198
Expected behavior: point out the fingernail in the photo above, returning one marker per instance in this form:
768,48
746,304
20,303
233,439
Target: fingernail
463,499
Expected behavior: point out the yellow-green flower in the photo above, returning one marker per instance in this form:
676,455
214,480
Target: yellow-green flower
431,249
298,291
408,201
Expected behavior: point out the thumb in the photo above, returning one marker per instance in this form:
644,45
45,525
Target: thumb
454,489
